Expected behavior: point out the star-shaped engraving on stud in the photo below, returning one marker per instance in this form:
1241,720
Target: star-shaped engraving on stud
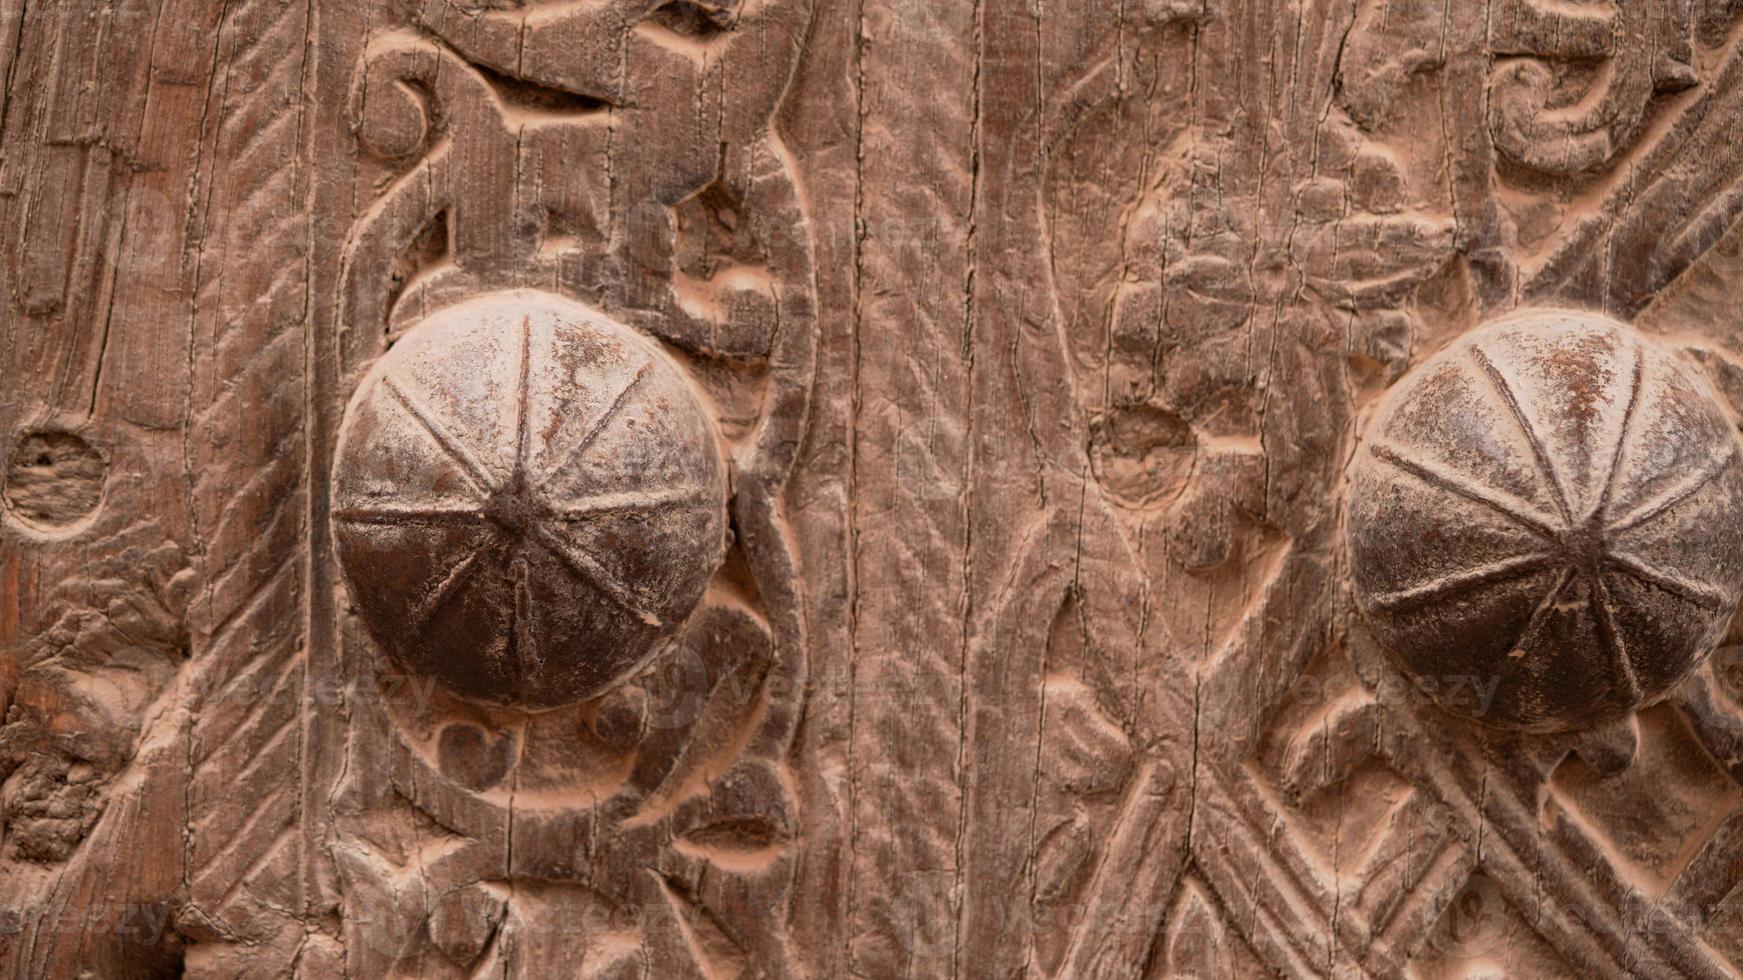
529,500
1581,545
516,512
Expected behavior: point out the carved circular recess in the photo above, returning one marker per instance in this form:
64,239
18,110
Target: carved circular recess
528,500
1545,522
54,480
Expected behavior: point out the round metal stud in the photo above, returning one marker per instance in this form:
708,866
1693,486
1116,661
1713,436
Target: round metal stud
528,500
1545,522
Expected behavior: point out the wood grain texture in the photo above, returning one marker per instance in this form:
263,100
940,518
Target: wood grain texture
1042,347
247,459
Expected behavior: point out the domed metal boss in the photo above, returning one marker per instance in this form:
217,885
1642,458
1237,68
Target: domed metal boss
528,499
1547,518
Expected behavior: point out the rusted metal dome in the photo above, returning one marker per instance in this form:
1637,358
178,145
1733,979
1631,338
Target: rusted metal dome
528,499
1552,508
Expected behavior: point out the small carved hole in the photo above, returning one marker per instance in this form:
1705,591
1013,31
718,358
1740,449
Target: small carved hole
53,480
694,20
1142,454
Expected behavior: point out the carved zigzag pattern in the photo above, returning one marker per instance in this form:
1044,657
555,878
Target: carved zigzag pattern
246,462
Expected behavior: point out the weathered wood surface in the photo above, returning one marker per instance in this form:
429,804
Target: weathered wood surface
1036,339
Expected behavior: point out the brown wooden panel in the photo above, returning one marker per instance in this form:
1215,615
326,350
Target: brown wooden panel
621,488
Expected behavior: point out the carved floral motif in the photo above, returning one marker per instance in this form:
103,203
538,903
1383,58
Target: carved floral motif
618,155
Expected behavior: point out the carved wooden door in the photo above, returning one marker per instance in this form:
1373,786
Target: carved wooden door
871,488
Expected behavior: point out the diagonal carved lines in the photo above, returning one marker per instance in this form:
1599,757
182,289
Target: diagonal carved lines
1699,593
263,686
1262,876
454,448
250,493
1541,455
1414,908
1540,615
1437,476
1590,928
268,816
1142,852
264,856
1454,583
1586,909
585,566
1250,865
1678,492
1603,606
599,423
450,585
1255,866
230,756
1710,880
1601,506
